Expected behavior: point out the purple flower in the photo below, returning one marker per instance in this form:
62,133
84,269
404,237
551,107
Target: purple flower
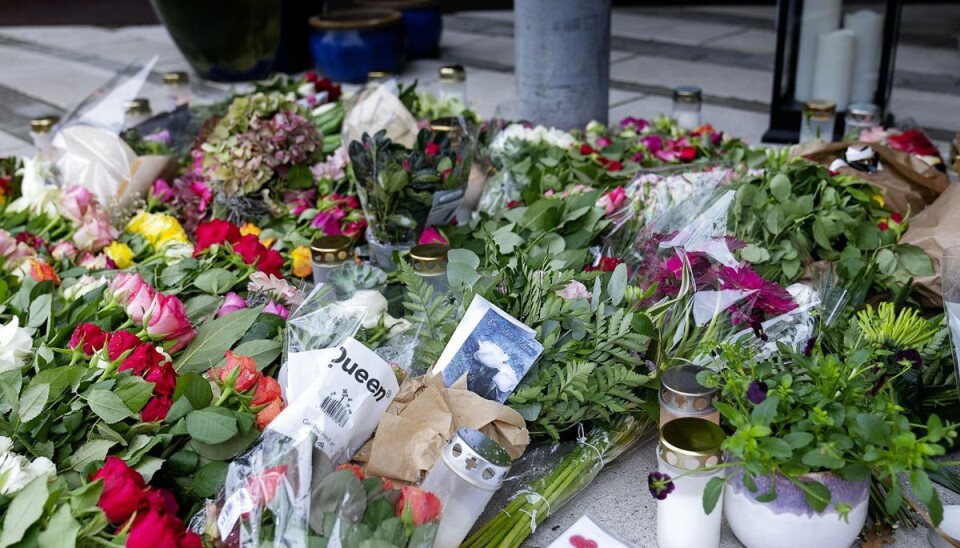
808,349
757,392
634,123
660,485
231,303
276,309
909,355
653,143
161,137
162,191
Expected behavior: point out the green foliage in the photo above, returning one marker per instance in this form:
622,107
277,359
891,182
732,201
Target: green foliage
435,313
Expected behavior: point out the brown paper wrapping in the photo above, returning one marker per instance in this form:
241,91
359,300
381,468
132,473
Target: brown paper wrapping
933,230
422,418
378,108
906,181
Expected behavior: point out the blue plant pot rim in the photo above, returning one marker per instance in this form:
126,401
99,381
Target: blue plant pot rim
356,19
399,4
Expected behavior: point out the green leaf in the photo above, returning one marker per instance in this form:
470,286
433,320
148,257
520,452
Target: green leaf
25,509
764,412
135,393
777,448
213,339
920,483
914,260
216,281
886,261
299,176
108,406
507,241
201,307
61,530
872,428
208,479
92,451
262,351
618,284
711,494
212,425
823,457
820,234
39,310
754,254
894,498
148,466
33,401
195,388
817,495
780,187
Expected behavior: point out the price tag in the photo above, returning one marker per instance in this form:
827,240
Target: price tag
238,504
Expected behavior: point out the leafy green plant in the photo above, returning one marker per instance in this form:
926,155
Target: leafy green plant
796,414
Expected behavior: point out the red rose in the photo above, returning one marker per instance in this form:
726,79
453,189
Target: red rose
161,500
586,149
163,377
614,166
271,261
514,203
191,540
247,378
88,337
431,150
156,529
883,226
687,154
266,415
263,488
896,218
143,358
156,409
122,490
267,390
417,506
119,342
215,232
248,247
268,261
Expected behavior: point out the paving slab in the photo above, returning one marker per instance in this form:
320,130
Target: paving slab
51,79
715,80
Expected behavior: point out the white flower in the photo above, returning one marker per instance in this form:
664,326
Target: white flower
84,284
574,290
5,445
37,195
16,472
276,287
371,302
174,252
534,136
15,345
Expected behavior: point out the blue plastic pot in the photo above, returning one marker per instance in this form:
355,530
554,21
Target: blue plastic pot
347,45
422,22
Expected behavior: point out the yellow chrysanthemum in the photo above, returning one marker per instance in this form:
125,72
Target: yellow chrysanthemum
121,254
157,228
302,261
879,199
250,228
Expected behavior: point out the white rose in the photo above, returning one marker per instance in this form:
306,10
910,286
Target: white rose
174,252
13,474
85,284
5,445
35,194
42,466
371,302
15,345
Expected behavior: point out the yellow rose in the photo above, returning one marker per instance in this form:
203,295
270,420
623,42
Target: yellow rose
302,261
121,254
879,199
250,228
157,228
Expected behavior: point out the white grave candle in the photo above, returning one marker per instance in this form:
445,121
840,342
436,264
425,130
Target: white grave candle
831,79
868,26
818,17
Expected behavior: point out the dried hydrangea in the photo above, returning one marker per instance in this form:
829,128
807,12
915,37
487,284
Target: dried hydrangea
260,137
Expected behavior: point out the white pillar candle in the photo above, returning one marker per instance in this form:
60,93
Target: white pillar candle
868,27
831,79
818,17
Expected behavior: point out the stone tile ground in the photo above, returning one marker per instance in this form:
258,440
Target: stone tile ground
726,50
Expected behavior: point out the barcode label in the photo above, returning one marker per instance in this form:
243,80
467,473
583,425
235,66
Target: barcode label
238,503
334,409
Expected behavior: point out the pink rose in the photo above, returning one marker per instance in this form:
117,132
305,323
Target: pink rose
166,319
276,309
604,142
231,304
75,202
11,249
202,190
574,290
95,262
133,293
64,250
162,191
95,233
432,236
613,200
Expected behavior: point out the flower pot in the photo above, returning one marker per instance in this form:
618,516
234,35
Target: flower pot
347,45
788,521
382,252
236,40
422,24
563,61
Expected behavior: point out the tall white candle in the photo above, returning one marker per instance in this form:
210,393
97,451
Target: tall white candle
834,67
868,27
818,17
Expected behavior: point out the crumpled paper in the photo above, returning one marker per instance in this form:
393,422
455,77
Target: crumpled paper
379,108
105,165
935,229
424,415
906,182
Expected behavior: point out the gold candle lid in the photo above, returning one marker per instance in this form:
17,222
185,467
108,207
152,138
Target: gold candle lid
138,107
689,443
176,78
682,394
331,249
429,259
378,76
687,94
820,109
452,74
44,124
